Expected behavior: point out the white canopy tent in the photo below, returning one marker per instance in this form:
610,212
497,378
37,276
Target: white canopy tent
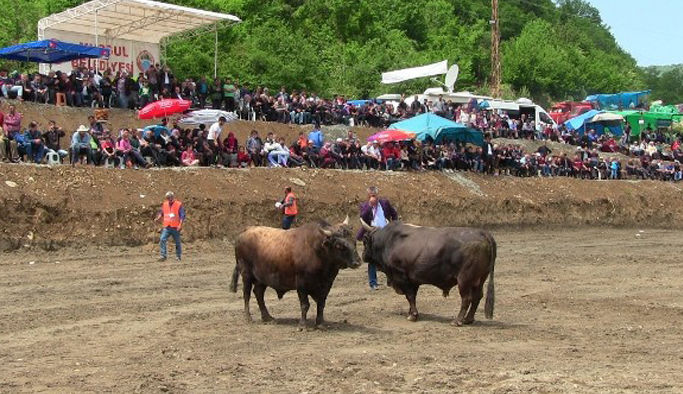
142,21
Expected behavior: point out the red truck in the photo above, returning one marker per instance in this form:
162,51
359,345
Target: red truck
562,112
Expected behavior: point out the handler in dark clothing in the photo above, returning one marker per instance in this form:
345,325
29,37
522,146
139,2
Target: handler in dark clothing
377,212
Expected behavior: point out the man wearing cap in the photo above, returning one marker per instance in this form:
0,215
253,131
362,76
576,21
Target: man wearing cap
376,213
173,214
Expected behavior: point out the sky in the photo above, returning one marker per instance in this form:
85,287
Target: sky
648,29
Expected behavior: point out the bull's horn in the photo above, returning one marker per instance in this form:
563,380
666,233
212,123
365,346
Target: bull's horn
366,226
346,221
327,233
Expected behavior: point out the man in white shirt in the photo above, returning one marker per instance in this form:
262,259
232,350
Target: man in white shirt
214,135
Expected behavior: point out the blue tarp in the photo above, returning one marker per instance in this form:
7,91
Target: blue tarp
51,51
621,101
438,128
583,121
578,122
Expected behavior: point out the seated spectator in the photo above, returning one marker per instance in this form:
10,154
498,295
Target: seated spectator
296,158
34,146
278,154
52,139
188,158
229,153
80,145
131,157
326,157
107,152
254,148
243,158
312,155
8,148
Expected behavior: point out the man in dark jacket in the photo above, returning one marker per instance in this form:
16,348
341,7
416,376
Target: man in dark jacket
377,212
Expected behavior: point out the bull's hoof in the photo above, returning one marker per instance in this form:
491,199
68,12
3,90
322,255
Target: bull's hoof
322,327
468,321
412,318
267,319
456,323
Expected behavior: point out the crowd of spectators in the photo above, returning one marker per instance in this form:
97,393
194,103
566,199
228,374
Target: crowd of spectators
167,145
650,157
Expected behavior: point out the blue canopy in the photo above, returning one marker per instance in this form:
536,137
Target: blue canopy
438,128
51,51
578,122
621,101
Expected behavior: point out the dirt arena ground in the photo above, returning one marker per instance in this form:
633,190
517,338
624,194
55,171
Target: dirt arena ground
581,311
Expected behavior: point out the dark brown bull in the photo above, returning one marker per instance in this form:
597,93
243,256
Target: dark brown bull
306,259
411,256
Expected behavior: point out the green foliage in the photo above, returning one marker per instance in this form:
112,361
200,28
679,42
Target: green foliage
666,83
551,50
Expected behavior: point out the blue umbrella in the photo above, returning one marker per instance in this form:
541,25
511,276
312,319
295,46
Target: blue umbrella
51,51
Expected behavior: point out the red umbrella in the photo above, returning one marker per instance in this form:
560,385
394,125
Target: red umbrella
391,136
165,107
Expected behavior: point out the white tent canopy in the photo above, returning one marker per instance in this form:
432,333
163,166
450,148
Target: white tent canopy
136,20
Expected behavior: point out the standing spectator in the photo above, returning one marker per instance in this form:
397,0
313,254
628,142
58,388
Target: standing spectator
152,76
215,134
289,207
202,92
167,80
216,94
317,136
375,213
229,95
123,90
173,214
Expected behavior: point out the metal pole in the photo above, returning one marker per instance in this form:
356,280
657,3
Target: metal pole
215,54
97,32
495,50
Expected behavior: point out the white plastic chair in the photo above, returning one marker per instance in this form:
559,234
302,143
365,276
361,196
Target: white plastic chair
53,158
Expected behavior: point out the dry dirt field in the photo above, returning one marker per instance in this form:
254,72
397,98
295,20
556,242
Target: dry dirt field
581,311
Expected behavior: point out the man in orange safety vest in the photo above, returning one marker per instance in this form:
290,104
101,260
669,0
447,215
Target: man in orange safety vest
173,214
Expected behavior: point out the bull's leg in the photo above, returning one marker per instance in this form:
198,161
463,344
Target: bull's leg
246,293
466,296
319,309
477,293
259,291
410,292
305,305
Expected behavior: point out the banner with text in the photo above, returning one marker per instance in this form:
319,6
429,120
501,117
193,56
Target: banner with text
131,56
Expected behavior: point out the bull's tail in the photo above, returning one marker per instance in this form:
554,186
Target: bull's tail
235,272
490,290
235,277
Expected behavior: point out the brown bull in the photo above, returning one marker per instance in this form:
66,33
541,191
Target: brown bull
411,256
306,259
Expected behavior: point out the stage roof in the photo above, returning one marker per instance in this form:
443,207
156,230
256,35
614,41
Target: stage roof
137,20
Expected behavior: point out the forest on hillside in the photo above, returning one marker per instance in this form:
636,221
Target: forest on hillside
550,49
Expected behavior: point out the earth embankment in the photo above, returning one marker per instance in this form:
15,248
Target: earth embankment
60,206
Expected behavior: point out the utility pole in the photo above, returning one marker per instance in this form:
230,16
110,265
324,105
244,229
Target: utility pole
495,50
